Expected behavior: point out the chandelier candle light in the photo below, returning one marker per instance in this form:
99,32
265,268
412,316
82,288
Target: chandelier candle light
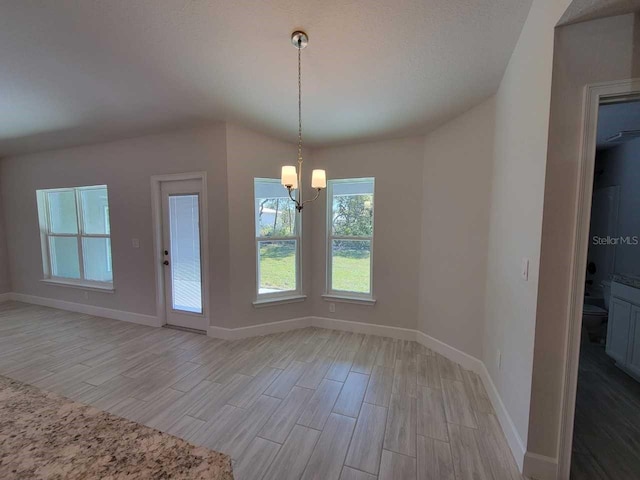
292,177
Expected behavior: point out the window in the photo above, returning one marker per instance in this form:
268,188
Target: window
277,240
350,237
75,235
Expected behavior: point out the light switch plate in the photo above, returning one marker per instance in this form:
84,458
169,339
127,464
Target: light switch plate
524,269
135,243
332,308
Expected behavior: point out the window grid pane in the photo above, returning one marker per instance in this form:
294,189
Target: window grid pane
277,266
96,254
62,212
64,257
95,211
351,265
352,216
275,213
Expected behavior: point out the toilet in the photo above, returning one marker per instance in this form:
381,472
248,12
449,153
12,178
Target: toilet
593,315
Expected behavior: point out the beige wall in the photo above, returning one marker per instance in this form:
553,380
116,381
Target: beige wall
251,155
397,168
521,126
496,152
232,156
456,190
5,283
601,50
126,167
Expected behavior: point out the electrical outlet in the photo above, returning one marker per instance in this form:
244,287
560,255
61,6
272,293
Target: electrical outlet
499,360
332,308
86,295
135,243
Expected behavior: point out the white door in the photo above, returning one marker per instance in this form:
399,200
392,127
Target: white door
182,255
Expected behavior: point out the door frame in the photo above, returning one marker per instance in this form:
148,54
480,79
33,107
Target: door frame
594,95
158,257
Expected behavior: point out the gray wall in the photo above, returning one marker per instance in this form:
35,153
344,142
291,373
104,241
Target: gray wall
621,166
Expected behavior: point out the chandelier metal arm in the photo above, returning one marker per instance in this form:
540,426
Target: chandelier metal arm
299,204
294,200
318,190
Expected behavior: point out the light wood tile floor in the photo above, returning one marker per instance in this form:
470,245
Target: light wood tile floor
304,404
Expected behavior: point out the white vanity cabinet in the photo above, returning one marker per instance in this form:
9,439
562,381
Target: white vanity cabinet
623,329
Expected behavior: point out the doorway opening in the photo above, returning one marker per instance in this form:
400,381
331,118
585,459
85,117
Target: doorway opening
601,426
180,239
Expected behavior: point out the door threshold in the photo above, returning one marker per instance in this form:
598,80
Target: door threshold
185,329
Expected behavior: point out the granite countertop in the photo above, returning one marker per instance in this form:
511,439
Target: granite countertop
46,436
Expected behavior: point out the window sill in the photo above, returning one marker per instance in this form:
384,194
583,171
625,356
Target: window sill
82,286
269,302
347,299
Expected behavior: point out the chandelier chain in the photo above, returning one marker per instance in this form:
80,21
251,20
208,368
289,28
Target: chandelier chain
294,188
299,102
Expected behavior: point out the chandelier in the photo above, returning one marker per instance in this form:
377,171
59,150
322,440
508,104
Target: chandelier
292,177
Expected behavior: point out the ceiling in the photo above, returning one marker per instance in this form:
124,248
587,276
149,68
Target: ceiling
615,118
585,10
84,71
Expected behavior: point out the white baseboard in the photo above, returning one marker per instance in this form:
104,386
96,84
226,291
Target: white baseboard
514,440
139,318
366,328
464,359
540,467
303,322
5,297
258,330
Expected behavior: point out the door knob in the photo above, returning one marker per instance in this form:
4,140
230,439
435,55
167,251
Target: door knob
166,262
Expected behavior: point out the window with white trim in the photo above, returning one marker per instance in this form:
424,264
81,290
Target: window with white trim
277,226
350,237
76,235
